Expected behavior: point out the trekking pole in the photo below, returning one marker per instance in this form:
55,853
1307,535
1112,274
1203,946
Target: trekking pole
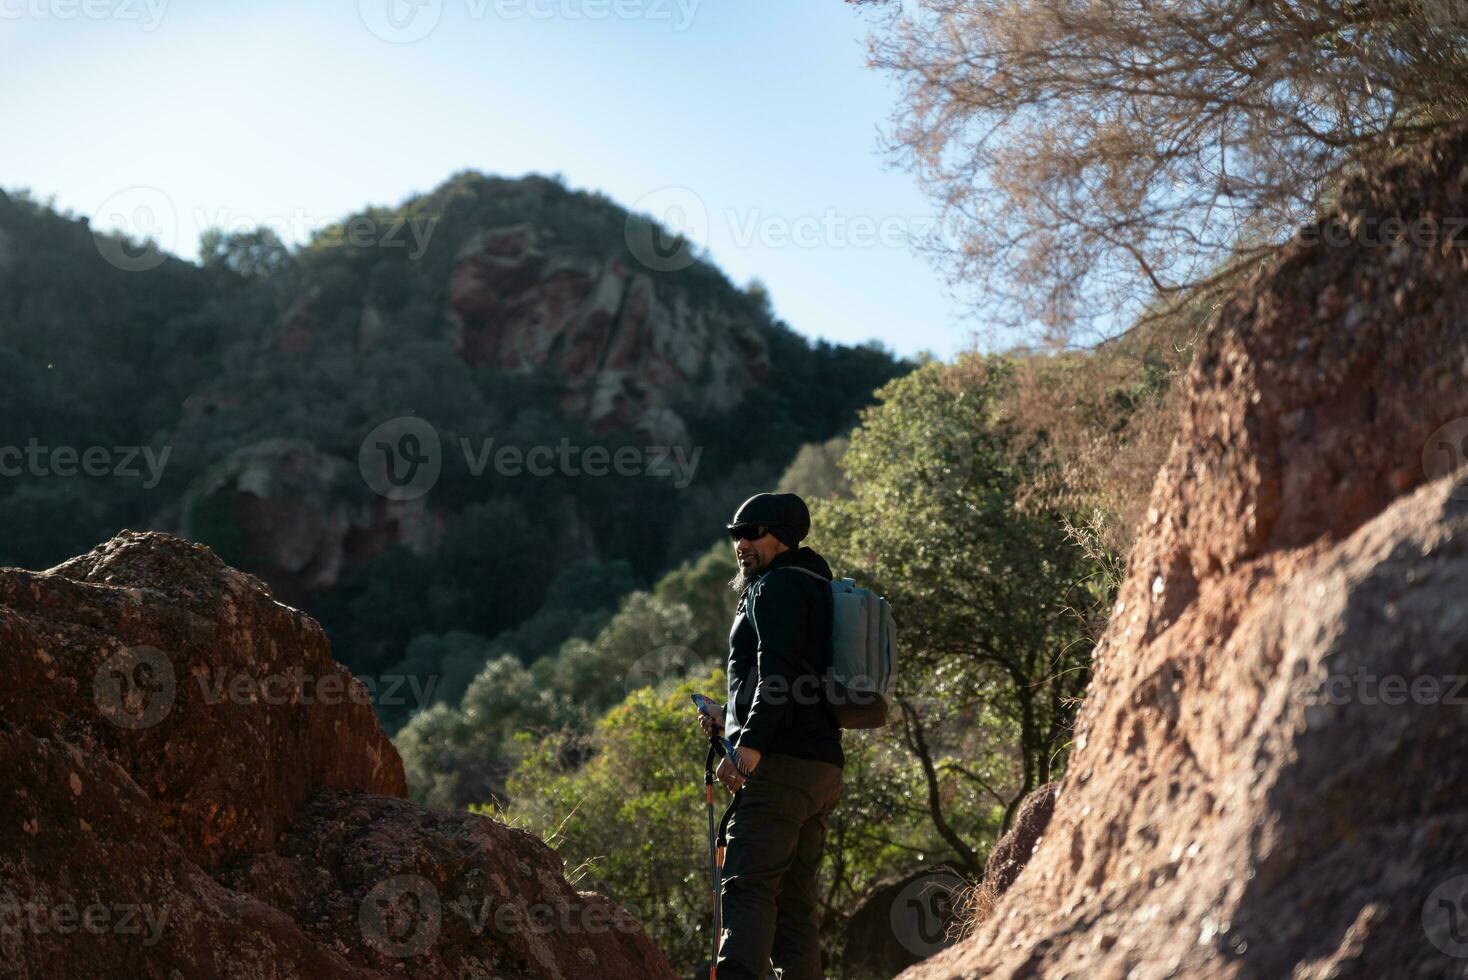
716,854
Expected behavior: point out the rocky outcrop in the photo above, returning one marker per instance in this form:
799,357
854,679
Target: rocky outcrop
195,788
1266,780
902,921
297,514
630,350
296,332
1011,852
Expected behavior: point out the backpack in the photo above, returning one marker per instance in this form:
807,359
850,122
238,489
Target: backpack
863,661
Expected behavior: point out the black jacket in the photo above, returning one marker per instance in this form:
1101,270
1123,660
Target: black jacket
776,658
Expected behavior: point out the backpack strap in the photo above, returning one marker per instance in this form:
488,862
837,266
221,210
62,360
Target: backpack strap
749,608
749,601
815,575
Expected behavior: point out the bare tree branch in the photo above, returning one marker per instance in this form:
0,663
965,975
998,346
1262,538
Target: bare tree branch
1092,157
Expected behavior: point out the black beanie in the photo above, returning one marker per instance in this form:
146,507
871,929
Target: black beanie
786,515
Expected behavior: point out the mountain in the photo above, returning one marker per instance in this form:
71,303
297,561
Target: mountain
560,403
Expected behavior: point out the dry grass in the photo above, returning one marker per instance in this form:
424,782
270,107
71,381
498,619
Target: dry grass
1104,419
972,905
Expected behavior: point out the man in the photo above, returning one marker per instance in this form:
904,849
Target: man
787,746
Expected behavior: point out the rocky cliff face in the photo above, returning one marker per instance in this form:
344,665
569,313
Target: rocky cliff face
292,508
627,353
1268,779
195,788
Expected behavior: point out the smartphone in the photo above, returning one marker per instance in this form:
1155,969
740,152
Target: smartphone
707,707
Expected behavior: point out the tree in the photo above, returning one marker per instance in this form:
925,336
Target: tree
628,810
1090,157
816,470
985,592
252,254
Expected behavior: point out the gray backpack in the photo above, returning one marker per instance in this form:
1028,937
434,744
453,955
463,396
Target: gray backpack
863,653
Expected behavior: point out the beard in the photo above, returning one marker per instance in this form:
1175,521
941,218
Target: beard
744,578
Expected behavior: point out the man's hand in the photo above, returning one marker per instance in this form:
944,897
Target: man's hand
711,726
746,759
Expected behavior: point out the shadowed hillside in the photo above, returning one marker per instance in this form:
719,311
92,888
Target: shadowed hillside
246,403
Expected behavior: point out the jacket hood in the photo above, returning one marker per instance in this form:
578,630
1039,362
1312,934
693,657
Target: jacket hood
804,558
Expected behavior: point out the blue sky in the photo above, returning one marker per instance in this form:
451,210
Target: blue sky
760,118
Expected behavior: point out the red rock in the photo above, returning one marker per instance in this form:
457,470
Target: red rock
299,324
1239,803
627,351
180,748
299,522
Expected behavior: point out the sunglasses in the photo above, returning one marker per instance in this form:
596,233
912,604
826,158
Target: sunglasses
748,532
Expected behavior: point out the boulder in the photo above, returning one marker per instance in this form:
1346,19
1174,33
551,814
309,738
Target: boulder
902,921
1266,780
299,515
196,788
1011,852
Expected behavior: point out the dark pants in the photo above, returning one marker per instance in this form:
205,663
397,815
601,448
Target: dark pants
776,836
